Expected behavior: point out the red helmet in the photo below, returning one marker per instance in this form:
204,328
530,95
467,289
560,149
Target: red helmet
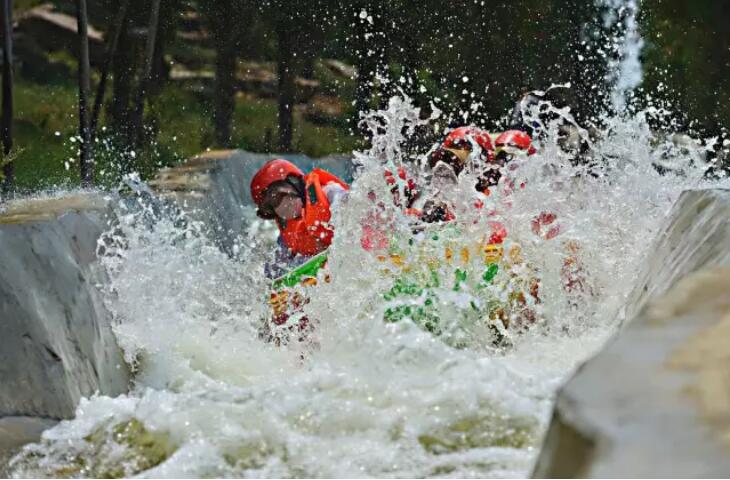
273,171
458,139
515,139
458,145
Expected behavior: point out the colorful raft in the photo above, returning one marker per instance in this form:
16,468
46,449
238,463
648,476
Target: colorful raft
462,291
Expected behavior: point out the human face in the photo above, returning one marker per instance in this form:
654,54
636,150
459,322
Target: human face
493,170
283,201
290,207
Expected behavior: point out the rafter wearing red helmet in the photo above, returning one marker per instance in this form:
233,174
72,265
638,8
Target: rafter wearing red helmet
457,148
514,142
300,204
460,147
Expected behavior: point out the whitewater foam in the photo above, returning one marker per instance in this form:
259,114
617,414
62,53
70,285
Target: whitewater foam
365,398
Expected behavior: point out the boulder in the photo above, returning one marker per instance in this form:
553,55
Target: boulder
341,69
260,79
655,402
56,339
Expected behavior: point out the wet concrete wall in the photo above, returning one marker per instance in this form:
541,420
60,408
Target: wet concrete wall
56,340
655,402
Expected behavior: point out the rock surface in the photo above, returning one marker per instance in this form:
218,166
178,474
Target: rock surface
324,109
655,402
214,187
56,341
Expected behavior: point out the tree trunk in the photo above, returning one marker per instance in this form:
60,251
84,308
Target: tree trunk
225,90
138,123
86,160
7,95
286,86
166,33
160,69
224,18
119,24
308,59
124,66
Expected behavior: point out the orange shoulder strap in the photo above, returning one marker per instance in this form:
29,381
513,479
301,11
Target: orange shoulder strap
326,177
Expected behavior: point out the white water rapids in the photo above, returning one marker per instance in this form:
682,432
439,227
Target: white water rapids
366,398
371,398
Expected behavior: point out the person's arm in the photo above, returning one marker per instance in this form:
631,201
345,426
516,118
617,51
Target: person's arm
334,192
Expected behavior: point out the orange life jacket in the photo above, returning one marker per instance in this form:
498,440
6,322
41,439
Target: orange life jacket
311,233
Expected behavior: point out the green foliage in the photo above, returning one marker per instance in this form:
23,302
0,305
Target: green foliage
23,5
180,117
461,52
42,110
688,59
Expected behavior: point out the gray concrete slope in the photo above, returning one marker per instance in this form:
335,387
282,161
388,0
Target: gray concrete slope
655,402
56,341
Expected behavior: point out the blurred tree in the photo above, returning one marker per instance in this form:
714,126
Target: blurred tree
138,67
301,29
226,19
287,23
284,23
125,64
473,58
687,60
116,29
316,17
6,127
146,75
86,158
166,36
369,31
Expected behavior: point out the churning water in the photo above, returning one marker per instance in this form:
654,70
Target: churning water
363,397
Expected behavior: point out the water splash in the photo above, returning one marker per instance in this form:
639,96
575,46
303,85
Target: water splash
371,398
624,65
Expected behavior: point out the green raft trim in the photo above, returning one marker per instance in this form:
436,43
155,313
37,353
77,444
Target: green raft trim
308,269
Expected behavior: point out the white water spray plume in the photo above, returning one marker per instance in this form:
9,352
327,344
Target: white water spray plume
364,397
